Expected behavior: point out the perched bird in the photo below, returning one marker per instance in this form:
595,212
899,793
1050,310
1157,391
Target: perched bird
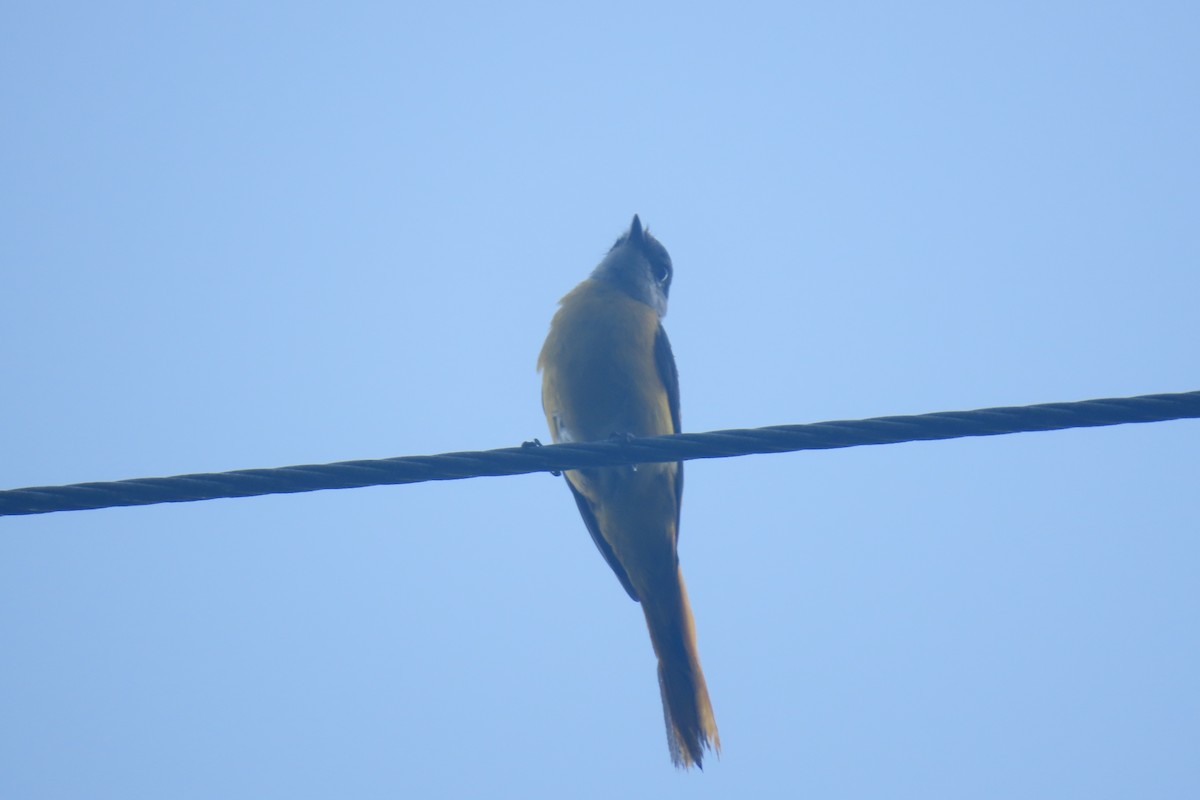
608,371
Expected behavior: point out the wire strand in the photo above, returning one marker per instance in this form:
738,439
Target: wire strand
558,457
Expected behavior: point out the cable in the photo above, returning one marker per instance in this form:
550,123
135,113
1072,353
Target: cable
555,458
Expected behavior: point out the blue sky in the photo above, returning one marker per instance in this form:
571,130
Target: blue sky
258,236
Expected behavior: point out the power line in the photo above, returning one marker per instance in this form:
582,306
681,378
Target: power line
555,458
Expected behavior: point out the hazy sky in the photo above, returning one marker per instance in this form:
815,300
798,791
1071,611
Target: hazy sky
258,235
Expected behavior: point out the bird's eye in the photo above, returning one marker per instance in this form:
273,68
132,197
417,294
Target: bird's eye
661,271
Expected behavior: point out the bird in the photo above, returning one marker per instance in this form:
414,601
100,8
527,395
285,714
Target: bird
608,372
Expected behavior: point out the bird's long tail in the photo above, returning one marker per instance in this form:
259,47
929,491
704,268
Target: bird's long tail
691,726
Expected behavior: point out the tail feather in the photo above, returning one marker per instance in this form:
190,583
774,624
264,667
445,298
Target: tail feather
687,711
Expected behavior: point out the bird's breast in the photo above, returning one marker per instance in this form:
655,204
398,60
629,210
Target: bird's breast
599,375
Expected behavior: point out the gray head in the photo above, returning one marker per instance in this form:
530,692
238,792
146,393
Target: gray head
640,266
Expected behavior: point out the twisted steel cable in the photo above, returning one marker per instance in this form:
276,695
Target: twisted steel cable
555,458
